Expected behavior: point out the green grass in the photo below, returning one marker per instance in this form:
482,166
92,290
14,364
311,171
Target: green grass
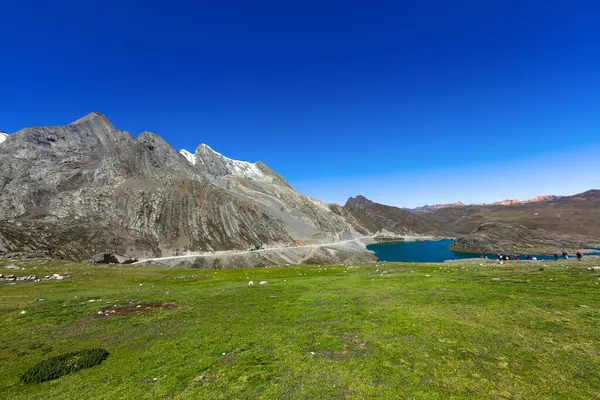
310,333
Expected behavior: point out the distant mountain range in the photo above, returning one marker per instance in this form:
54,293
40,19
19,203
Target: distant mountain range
497,203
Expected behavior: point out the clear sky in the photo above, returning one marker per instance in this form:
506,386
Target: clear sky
405,102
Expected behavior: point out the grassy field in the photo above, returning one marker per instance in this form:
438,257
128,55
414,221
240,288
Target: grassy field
413,332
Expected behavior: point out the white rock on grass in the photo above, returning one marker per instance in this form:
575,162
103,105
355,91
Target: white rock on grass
251,283
262,282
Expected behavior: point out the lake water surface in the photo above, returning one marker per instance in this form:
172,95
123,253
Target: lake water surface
429,251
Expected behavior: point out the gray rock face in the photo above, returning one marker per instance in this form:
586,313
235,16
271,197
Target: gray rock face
85,188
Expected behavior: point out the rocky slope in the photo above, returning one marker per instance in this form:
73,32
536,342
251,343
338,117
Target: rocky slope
377,217
493,237
76,190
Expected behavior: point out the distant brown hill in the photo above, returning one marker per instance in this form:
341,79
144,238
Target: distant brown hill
494,237
576,214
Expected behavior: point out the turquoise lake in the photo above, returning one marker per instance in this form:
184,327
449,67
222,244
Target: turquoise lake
429,251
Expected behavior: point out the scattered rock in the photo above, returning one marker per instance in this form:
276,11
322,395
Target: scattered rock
251,283
23,312
496,279
134,308
593,268
262,282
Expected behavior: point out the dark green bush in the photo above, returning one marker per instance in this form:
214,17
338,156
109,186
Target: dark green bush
63,364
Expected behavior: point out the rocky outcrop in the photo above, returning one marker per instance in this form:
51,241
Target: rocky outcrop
518,239
378,217
86,188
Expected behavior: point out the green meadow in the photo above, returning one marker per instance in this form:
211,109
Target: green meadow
385,331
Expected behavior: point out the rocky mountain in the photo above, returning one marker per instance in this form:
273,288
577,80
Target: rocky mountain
377,217
3,136
72,191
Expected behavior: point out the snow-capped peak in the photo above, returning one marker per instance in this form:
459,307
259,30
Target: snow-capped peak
189,156
218,165
3,136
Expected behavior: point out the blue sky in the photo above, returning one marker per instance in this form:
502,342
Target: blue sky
405,102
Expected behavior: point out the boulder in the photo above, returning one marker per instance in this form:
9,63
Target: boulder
110,258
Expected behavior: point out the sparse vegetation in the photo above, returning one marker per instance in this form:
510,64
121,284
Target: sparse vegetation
408,331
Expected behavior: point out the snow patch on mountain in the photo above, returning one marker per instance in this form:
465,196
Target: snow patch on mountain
3,136
189,156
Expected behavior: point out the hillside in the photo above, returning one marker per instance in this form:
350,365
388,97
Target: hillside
377,217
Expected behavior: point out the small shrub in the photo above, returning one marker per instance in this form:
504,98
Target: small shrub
63,364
